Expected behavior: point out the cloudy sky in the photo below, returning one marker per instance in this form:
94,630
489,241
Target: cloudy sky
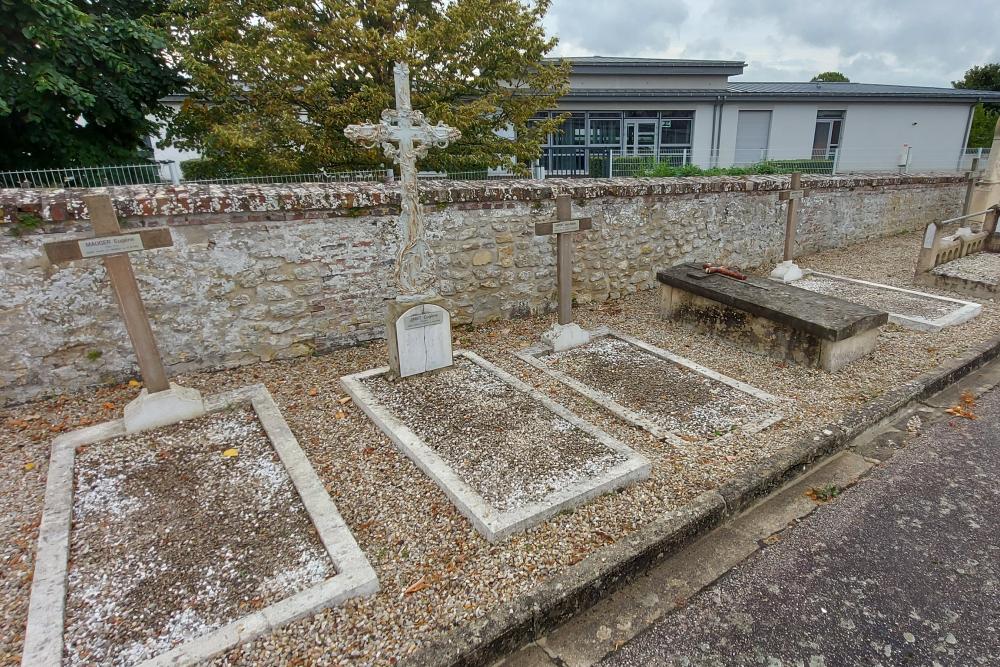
917,42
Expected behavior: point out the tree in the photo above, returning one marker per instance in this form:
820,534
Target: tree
830,77
274,82
78,79
984,119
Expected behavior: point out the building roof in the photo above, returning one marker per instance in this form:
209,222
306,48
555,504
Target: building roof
784,91
614,65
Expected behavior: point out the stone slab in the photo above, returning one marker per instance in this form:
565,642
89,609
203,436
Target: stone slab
825,317
494,524
43,643
907,308
602,396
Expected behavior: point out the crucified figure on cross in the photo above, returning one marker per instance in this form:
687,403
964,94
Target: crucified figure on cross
405,135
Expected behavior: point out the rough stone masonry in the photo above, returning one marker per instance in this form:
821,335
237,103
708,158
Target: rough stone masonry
261,272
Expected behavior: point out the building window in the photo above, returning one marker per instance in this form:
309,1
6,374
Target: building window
573,131
605,129
826,139
675,129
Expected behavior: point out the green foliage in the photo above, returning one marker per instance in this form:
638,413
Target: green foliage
983,127
980,77
276,81
62,61
650,168
830,77
94,355
23,221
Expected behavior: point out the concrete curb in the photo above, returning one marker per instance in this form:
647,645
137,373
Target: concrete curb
505,629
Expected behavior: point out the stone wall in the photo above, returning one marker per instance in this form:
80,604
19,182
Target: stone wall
270,272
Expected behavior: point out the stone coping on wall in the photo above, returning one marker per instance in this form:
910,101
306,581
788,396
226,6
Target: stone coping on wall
173,204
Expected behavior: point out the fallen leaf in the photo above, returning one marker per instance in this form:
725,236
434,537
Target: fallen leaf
960,411
345,400
366,525
417,586
340,414
29,466
134,384
109,406
968,398
368,451
313,391
230,453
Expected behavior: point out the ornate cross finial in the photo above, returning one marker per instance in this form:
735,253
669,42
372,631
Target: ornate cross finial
405,135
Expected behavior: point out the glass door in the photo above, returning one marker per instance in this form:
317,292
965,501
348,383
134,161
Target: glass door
640,136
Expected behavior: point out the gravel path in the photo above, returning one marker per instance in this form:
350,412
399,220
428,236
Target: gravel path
405,524
892,301
173,539
508,447
983,267
672,396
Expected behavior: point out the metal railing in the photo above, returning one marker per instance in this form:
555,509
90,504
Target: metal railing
82,177
357,176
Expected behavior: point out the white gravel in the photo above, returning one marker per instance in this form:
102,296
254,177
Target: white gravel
407,526
902,303
982,267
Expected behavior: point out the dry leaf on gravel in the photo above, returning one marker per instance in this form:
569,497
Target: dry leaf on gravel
345,400
961,411
230,453
314,391
417,586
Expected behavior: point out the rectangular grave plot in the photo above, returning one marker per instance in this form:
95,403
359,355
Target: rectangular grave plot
184,540
669,396
908,308
508,456
976,275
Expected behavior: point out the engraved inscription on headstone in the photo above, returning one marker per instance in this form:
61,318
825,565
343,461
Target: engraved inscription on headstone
423,339
423,320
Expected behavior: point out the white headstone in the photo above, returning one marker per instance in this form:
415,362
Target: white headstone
423,339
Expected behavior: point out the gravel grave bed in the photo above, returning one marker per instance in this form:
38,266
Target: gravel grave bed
674,397
511,449
436,572
171,539
910,305
982,267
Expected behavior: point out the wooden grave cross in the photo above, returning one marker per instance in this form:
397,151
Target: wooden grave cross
793,196
110,243
564,225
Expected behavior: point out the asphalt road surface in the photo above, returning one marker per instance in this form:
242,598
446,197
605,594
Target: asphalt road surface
901,569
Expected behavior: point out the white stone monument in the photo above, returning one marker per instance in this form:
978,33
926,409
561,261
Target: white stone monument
418,327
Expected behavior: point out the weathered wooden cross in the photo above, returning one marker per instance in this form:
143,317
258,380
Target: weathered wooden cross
159,403
110,243
793,196
564,225
787,270
405,135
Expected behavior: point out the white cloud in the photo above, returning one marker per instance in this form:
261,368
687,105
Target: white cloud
916,42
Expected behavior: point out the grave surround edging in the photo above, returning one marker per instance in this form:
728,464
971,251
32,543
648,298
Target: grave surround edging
571,592
44,641
494,525
964,313
532,356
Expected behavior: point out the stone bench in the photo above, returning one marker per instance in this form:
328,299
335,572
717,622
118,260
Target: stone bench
770,317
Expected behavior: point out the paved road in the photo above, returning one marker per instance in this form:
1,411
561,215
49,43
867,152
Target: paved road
902,569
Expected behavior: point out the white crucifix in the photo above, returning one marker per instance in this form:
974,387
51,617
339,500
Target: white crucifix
565,334
418,327
788,271
160,402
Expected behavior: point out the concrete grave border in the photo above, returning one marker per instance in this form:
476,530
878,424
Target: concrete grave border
43,643
966,312
531,356
494,525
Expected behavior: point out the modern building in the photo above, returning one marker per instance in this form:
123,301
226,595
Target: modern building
688,111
